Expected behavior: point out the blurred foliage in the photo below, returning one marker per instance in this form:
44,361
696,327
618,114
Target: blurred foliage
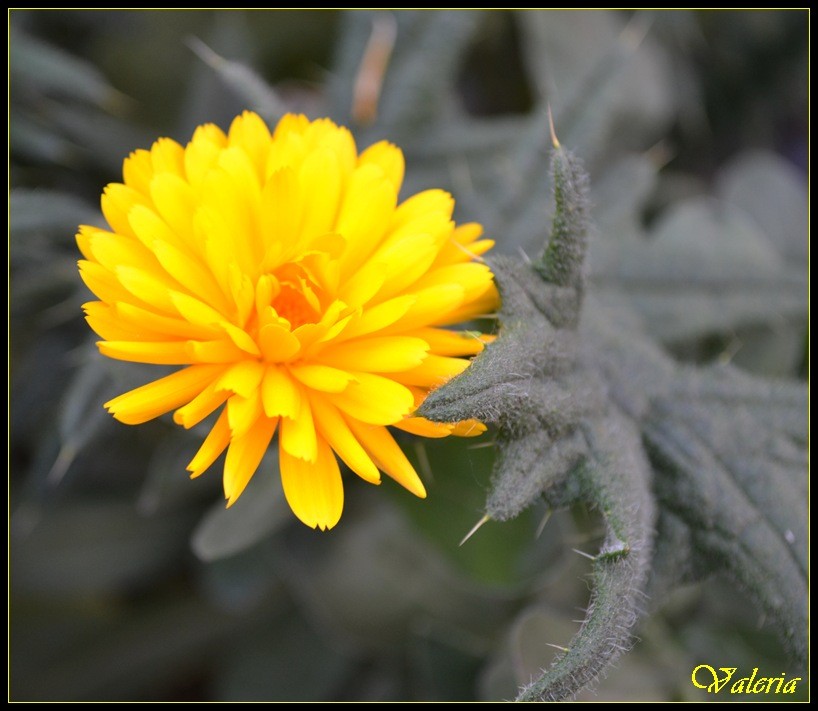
130,582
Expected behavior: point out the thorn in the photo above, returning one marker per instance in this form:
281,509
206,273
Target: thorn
481,445
557,646
544,521
424,464
732,348
583,554
463,248
476,527
554,140
524,256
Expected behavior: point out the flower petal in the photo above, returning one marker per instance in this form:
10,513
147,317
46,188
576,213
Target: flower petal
388,456
297,436
156,352
377,318
279,394
277,343
365,214
314,490
243,378
243,412
162,395
215,443
377,355
333,427
321,185
424,428
207,401
373,399
451,343
468,428
389,158
321,377
433,372
244,456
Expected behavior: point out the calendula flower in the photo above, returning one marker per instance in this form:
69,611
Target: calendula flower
299,295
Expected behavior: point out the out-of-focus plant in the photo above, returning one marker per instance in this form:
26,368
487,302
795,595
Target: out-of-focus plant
631,387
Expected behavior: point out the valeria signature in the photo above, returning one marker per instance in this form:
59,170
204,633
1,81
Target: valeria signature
715,680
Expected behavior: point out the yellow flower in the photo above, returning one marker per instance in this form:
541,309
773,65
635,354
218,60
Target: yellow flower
282,272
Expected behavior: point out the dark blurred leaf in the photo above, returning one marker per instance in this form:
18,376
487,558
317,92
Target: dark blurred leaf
248,580
110,656
357,583
84,548
81,410
259,511
167,484
37,66
444,662
102,139
498,555
248,85
30,139
47,211
282,660
706,269
775,195
412,95
585,65
618,197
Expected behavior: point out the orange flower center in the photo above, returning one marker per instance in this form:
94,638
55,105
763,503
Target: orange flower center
297,298
292,303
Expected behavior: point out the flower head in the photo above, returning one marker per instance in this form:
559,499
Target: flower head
298,295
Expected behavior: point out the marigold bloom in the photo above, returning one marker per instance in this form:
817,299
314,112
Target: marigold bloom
281,271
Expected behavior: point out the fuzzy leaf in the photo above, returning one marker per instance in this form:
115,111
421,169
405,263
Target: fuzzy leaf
585,65
735,477
599,415
616,480
707,268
